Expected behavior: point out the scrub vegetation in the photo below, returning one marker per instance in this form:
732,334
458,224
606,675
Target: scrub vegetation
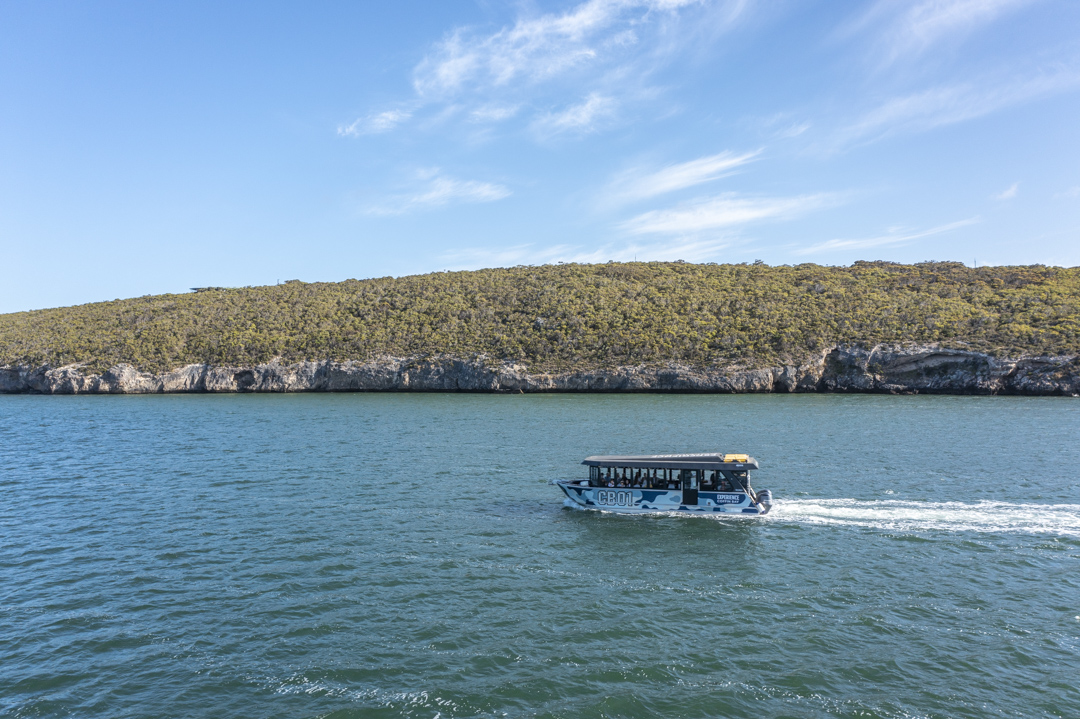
570,316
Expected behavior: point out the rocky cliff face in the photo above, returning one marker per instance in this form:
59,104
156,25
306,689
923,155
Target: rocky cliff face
844,368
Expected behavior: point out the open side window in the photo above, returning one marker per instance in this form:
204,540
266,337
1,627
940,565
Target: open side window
691,478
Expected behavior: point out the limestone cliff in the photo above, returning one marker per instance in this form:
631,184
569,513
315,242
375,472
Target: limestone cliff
842,368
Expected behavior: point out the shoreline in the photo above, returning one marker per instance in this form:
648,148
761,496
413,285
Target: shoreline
888,369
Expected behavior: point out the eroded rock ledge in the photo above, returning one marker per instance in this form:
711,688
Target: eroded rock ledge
844,368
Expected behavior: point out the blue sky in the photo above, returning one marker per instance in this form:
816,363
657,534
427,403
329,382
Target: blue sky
152,147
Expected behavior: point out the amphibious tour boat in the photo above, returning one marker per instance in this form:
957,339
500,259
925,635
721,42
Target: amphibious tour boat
669,483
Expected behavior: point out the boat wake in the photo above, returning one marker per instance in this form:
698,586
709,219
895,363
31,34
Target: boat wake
1053,519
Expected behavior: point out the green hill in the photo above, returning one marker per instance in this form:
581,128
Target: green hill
559,317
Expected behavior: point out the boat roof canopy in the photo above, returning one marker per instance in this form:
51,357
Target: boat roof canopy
710,460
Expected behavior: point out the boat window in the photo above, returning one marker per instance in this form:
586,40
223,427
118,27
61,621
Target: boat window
604,477
616,477
691,478
673,479
627,477
658,478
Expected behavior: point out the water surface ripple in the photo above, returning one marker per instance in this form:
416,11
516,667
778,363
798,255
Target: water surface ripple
372,555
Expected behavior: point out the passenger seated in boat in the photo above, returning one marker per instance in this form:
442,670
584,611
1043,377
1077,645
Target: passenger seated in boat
610,481
725,486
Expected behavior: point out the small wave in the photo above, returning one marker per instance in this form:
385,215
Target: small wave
893,514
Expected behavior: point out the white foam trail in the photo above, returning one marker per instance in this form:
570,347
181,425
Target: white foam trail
894,514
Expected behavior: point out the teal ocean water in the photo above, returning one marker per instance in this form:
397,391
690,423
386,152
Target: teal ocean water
396,555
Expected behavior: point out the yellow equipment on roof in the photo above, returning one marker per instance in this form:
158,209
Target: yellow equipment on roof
736,458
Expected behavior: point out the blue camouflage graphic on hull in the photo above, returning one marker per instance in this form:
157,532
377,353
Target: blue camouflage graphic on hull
637,500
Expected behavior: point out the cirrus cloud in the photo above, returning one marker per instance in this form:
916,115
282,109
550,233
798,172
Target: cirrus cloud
638,184
374,124
895,236
951,104
438,190
600,50
580,118
905,29
537,48
722,211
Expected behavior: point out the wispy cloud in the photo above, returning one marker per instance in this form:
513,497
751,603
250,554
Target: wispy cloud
580,118
1071,192
952,104
689,249
779,126
374,124
1008,193
895,236
493,113
537,48
438,191
901,28
793,130
468,258
726,210
640,184
602,50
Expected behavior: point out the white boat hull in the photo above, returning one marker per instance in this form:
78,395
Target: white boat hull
633,500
